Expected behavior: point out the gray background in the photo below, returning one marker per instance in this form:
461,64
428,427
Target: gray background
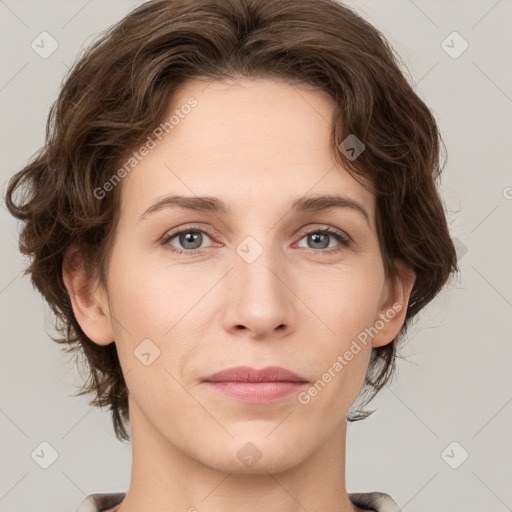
454,384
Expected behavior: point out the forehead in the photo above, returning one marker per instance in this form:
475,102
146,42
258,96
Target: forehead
253,143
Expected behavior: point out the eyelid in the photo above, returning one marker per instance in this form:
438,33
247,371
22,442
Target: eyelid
323,227
304,231
189,227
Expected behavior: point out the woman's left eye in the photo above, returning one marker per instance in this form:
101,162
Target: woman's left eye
192,238
320,240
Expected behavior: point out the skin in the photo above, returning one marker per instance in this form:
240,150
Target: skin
257,145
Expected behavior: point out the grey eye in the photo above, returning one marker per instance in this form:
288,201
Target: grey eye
188,239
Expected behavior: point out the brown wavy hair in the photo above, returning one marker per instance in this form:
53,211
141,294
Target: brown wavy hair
119,90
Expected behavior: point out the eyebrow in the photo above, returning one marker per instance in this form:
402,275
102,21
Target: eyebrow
211,204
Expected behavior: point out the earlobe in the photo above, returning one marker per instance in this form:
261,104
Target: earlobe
88,300
395,301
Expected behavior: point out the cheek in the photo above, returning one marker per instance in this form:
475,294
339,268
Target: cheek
145,302
141,299
346,304
158,302
346,307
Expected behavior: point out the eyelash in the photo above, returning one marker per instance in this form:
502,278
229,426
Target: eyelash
345,241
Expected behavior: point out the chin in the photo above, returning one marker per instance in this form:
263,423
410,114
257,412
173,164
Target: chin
256,453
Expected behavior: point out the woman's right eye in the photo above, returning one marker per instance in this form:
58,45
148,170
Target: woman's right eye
190,240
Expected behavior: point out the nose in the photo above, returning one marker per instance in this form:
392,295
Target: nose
259,301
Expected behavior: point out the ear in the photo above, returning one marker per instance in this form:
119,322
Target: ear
88,299
394,302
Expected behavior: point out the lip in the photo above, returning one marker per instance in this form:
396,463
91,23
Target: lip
248,374
256,386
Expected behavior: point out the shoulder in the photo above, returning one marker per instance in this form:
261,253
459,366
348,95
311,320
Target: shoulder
98,502
376,501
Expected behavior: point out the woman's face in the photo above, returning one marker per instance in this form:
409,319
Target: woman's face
258,283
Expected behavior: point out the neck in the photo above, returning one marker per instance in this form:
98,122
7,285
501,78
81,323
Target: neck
164,478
